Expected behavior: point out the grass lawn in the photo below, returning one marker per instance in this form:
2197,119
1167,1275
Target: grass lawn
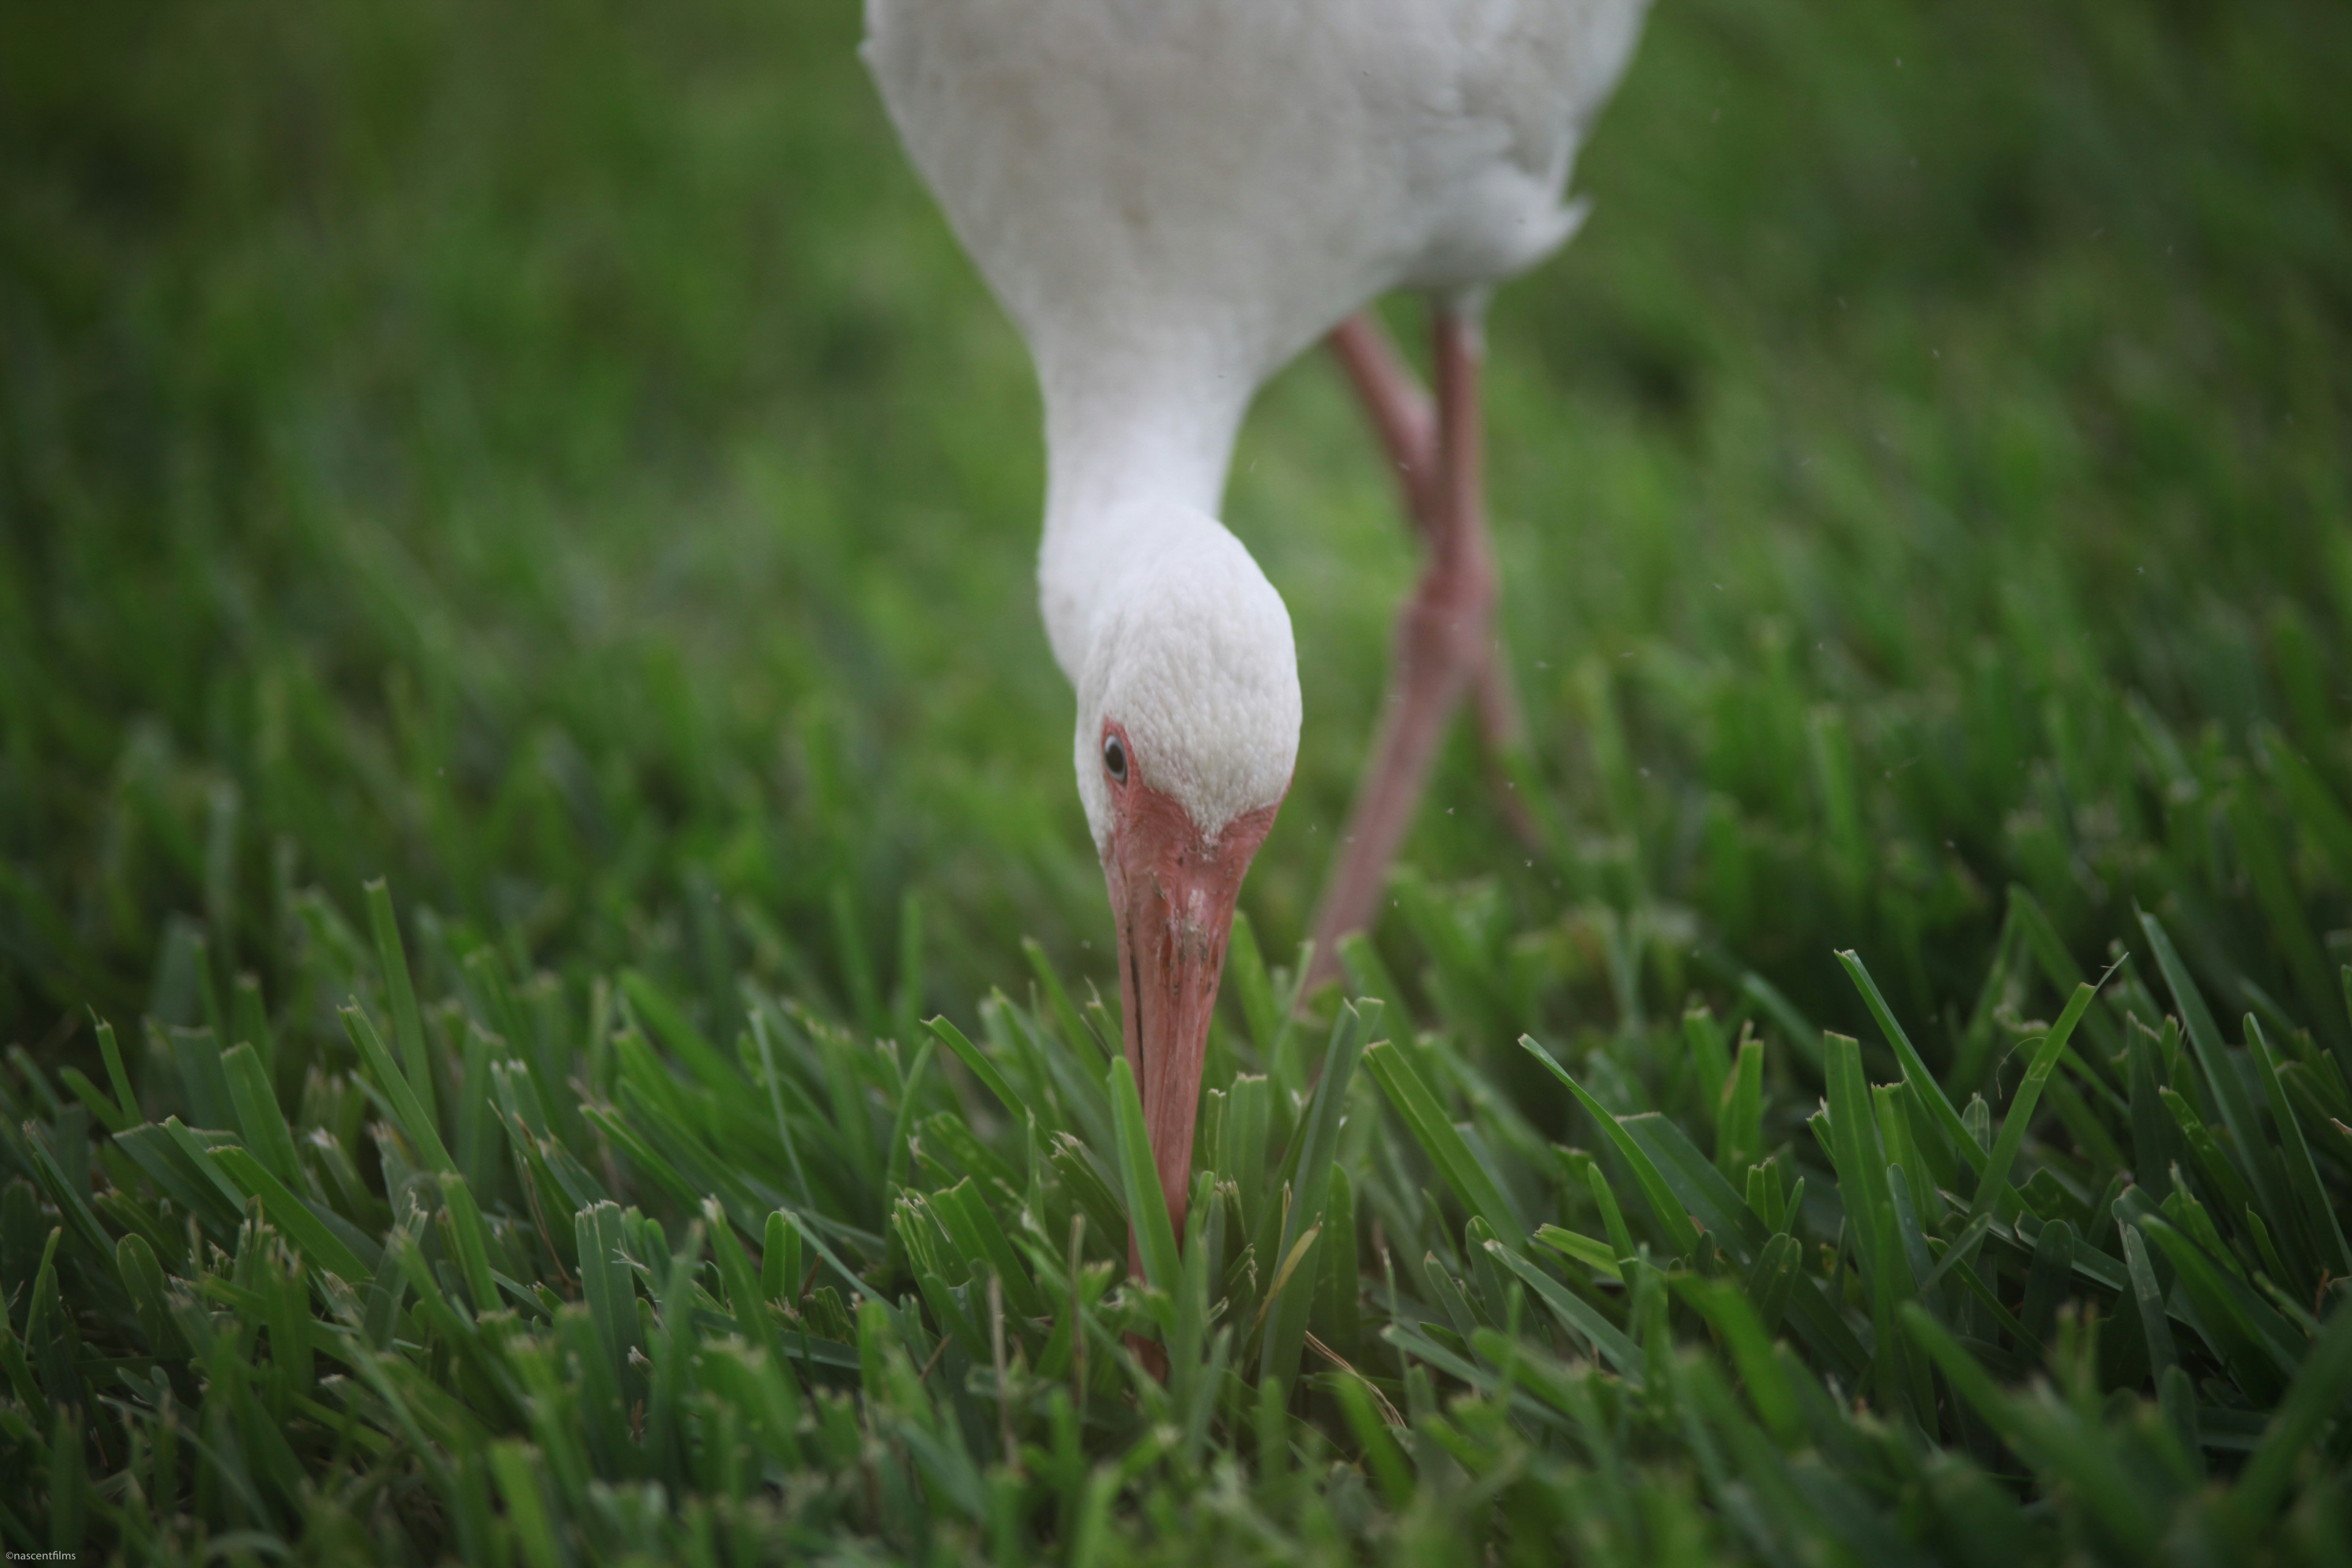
555,461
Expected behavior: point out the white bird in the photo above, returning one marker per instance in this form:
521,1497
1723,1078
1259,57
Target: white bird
1171,198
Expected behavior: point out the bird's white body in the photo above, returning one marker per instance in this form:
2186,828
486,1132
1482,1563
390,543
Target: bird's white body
1171,198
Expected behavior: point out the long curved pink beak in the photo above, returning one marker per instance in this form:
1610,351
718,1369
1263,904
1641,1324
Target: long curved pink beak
1173,890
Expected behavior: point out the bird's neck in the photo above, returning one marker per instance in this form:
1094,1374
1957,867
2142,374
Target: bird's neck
1125,442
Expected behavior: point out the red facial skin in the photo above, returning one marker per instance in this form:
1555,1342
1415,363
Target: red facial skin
1173,889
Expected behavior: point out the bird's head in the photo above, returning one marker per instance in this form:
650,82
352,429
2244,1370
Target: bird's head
1187,736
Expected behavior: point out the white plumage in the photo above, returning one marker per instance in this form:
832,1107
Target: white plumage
1171,198
1188,646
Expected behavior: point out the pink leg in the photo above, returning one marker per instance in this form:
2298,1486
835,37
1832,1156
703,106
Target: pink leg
1442,643
1401,410
1407,424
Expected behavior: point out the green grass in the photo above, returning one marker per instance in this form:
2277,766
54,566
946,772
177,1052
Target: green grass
558,462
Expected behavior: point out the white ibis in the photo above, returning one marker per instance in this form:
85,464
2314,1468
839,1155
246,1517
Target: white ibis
1171,198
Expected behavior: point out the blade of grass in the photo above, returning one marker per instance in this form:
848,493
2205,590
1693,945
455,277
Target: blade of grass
286,1211
2048,1438
1703,1037
1245,964
2221,1075
124,1096
1802,1036
2248,1336
408,1107
473,1245
1739,1125
1915,1066
1600,1257
1095,1053
1581,1317
407,1022
1147,1206
2149,1298
2302,1175
902,1121
991,1078
1439,1138
1316,1143
669,1023
2013,1125
258,1113
1749,1335
1671,1217
2318,1397
1854,1152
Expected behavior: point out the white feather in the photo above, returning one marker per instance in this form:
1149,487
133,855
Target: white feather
1190,651
1171,198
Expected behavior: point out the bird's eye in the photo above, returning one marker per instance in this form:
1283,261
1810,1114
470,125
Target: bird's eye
1115,759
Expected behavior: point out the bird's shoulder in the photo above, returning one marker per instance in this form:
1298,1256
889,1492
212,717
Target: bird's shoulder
1539,66
1261,148
1492,101
1543,66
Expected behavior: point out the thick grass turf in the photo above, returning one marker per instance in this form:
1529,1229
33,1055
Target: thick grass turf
557,459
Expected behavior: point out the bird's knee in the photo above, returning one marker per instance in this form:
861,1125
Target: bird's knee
1449,617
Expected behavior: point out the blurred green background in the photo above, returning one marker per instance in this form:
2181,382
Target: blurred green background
555,455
